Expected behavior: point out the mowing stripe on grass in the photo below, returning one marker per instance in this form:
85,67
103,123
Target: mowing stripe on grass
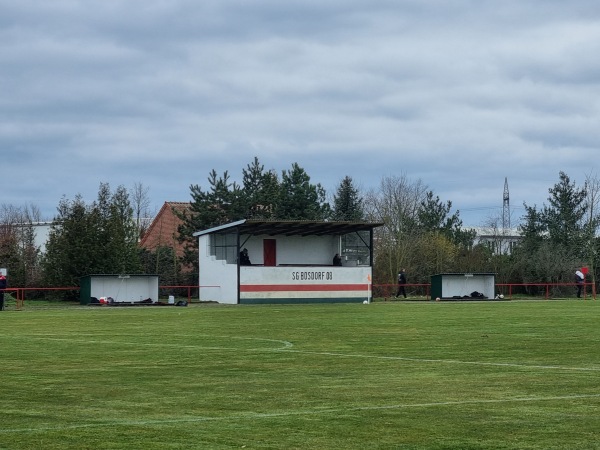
254,415
287,347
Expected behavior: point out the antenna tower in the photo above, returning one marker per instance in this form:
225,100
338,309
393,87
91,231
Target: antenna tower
506,208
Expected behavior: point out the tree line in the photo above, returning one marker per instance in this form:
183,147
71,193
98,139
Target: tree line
421,232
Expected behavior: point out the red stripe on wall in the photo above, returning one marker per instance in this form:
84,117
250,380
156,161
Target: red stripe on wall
302,287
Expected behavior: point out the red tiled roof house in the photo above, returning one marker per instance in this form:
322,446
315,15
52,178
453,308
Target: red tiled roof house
162,232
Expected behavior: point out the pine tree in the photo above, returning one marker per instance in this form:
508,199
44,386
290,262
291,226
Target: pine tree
299,199
261,196
221,204
71,245
433,216
123,234
554,237
564,217
347,203
91,239
260,191
561,223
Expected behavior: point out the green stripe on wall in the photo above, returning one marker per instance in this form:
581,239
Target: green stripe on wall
285,300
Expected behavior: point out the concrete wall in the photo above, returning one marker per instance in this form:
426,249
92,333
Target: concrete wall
217,279
306,284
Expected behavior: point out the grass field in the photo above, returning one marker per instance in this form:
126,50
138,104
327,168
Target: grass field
434,375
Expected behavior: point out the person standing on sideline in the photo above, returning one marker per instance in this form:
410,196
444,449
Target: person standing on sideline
337,260
579,279
401,283
2,287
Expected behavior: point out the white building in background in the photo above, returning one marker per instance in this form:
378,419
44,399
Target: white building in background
41,232
498,240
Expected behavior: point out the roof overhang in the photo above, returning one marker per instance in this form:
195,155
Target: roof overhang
291,227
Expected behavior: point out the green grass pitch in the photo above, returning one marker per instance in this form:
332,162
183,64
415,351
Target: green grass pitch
434,375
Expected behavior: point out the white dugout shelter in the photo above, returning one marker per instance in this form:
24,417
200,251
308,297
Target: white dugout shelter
461,285
121,288
291,262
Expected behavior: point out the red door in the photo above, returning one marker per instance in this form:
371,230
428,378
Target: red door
270,252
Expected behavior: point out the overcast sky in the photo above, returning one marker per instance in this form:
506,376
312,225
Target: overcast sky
459,94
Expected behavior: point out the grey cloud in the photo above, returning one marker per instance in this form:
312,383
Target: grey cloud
458,93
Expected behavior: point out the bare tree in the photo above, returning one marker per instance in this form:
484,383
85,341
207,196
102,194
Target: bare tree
140,202
494,234
18,249
593,220
396,204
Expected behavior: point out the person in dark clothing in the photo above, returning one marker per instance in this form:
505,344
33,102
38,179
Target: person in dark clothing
337,260
579,279
244,258
401,283
2,287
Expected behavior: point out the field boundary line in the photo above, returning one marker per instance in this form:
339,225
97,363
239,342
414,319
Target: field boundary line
286,344
446,361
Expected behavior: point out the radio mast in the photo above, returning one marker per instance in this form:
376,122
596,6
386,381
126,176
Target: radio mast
506,208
